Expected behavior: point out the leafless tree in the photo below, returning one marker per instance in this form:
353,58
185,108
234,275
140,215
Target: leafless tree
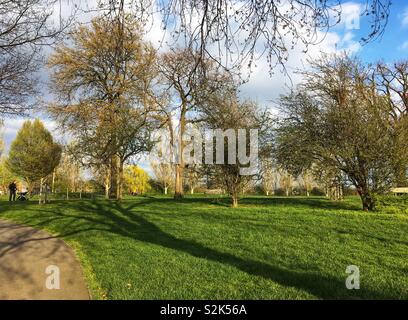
164,173
232,31
25,27
341,122
187,87
226,112
268,176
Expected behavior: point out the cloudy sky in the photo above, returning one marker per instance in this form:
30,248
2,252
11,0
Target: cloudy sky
262,87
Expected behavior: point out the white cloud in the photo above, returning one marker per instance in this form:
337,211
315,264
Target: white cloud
404,46
404,21
261,87
350,16
11,126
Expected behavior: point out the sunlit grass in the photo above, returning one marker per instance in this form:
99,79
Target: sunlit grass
199,248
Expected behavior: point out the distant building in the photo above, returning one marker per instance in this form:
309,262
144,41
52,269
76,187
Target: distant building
399,191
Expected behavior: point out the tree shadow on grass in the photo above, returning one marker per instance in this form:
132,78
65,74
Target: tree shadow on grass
310,202
126,219
225,201
130,223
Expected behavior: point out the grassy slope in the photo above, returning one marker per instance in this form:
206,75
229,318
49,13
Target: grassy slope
277,248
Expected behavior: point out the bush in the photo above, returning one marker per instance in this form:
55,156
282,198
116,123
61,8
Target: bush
279,192
393,204
317,192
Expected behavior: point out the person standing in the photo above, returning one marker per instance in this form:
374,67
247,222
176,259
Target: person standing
13,190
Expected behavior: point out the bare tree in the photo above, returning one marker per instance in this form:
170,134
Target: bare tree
231,32
193,176
102,175
25,27
286,181
307,182
340,121
186,87
164,173
223,110
392,82
268,176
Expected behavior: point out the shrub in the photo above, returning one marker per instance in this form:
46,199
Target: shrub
393,204
317,192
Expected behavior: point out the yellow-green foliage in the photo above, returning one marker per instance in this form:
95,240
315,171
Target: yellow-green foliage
136,180
33,154
393,204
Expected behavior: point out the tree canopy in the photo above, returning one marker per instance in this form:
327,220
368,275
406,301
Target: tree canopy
339,119
33,154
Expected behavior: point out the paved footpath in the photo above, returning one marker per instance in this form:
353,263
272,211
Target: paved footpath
25,254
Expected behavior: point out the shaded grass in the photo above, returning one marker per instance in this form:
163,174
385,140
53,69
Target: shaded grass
199,248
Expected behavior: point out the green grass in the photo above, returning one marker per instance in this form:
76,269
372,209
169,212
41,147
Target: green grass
199,248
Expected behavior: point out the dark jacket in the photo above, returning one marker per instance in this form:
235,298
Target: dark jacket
13,187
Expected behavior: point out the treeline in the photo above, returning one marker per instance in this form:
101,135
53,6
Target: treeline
344,125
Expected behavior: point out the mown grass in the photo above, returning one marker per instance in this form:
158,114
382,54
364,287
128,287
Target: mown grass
200,248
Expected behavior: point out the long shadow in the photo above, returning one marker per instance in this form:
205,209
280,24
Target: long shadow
128,221
311,202
133,225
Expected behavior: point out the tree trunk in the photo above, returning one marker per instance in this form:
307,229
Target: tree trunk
40,195
46,193
114,168
367,199
53,182
267,193
192,190
107,184
234,198
67,193
401,177
165,190
119,181
106,190
179,192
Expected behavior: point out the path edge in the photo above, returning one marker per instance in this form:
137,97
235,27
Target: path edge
93,287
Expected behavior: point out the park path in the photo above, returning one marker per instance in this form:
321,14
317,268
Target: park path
25,254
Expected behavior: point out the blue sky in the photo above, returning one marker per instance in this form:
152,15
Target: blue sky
393,45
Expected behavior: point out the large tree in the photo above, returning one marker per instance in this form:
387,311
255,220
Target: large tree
186,88
33,154
103,85
232,121
340,120
392,82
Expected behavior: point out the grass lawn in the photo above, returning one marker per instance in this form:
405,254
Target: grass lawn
199,248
